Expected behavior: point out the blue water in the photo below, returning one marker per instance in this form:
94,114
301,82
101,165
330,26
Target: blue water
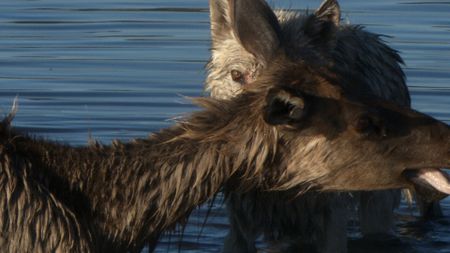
120,69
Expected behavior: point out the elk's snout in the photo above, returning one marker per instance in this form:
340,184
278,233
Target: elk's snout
433,183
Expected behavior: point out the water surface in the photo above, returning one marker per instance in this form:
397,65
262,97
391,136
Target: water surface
120,69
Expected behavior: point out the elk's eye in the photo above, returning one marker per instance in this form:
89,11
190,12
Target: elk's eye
368,125
237,76
363,124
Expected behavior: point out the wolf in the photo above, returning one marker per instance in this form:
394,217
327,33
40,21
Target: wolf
317,38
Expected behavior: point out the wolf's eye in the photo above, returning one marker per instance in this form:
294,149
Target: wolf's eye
237,76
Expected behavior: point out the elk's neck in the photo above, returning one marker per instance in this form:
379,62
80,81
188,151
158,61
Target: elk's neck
154,182
131,192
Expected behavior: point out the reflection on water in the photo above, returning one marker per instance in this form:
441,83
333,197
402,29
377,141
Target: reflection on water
119,69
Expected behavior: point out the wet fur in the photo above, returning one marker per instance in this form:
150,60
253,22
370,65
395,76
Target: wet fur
59,198
118,198
121,197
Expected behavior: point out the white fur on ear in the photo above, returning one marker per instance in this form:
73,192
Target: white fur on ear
251,22
220,18
9,118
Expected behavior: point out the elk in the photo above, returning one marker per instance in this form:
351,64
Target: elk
120,197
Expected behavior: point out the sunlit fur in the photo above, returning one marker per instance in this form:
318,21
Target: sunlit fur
58,198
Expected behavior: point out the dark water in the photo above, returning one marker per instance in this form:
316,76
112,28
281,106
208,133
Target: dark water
120,69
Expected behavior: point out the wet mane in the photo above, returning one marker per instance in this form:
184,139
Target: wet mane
156,181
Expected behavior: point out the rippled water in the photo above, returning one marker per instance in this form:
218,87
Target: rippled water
120,69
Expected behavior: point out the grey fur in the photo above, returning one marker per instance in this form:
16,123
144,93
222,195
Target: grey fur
356,55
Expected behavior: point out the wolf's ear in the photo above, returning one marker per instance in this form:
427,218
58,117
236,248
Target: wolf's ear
251,22
330,11
257,27
284,106
321,27
5,124
220,18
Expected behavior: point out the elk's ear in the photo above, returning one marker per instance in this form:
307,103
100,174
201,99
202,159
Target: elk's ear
256,27
330,11
284,106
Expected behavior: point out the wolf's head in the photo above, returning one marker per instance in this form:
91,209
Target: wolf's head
246,33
